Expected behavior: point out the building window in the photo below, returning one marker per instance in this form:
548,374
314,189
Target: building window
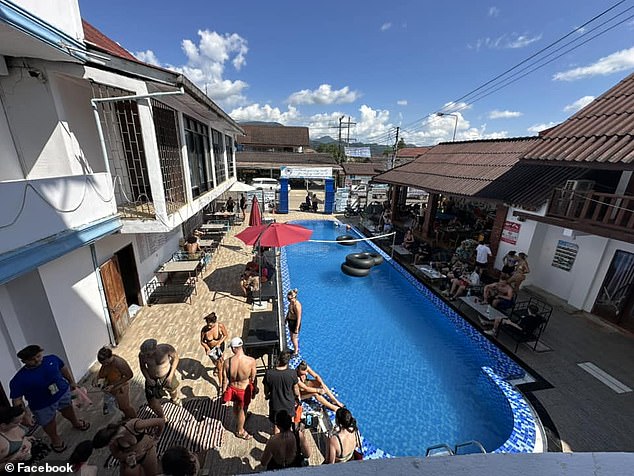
219,156
231,157
197,139
166,128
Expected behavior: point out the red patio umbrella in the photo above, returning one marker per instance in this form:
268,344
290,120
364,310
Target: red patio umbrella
255,217
274,234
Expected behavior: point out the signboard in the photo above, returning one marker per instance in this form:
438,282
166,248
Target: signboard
565,255
306,172
357,152
510,232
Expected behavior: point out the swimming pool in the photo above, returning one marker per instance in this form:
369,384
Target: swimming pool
407,366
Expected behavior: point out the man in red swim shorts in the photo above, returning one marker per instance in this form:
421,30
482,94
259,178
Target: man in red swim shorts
239,384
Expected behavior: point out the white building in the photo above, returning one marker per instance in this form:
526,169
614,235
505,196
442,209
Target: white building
105,162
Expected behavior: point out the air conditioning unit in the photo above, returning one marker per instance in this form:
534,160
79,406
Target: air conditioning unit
579,185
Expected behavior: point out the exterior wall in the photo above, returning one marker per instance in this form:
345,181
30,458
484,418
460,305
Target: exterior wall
9,163
524,239
62,14
72,291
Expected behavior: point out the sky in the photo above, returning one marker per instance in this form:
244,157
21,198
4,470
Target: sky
382,65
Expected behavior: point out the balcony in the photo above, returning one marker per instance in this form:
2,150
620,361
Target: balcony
588,210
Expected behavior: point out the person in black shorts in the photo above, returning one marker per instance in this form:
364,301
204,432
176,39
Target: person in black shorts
281,388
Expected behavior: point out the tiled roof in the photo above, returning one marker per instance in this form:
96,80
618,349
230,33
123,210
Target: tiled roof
363,168
460,168
275,135
275,159
600,133
102,42
412,152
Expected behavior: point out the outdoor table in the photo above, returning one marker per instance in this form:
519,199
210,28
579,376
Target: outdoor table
206,243
402,251
213,227
189,267
484,310
430,273
263,337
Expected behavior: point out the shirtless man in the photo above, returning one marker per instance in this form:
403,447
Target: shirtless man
158,364
500,294
192,246
315,387
239,385
212,338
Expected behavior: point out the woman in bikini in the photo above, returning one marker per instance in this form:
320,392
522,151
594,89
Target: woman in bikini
116,374
133,443
294,318
343,442
14,446
281,450
521,270
212,338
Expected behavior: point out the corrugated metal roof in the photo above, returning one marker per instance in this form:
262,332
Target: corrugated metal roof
363,168
249,159
275,135
460,168
412,152
600,133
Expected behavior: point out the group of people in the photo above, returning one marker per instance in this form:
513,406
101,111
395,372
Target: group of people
311,202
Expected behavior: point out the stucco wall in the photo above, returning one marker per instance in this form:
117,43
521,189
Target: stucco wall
62,14
73,294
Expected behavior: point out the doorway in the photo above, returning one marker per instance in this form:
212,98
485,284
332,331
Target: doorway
129,275
115,297
615,301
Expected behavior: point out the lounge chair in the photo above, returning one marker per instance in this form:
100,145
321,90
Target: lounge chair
528,334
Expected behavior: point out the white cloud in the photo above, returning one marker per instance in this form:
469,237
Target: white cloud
494,11
147,56
507,41
402,102
324,94
579,104
452,107
495,114
619,61
386,26
255,112
540,127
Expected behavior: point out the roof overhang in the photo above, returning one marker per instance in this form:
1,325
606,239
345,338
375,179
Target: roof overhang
25,35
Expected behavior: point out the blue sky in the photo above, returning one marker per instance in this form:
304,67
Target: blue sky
383,64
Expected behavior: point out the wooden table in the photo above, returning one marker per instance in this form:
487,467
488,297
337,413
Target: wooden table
485,311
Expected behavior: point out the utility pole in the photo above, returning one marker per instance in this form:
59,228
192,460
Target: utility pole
395,148
340,119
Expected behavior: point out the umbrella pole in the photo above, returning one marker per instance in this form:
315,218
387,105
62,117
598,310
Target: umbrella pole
259,248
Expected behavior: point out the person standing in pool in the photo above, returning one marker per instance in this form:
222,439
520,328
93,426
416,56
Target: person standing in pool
294,318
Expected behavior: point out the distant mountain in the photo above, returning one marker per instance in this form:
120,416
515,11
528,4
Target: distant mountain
323,140
375,149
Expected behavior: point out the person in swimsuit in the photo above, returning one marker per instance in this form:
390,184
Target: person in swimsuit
343,442
116,374
158,364
14,446
294,318
133,443
179,461
315,387
521,270
239,384
212,338
281,449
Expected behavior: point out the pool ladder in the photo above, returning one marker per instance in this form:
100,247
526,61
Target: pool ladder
466,448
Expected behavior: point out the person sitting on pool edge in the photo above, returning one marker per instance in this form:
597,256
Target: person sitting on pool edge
526,322
315,387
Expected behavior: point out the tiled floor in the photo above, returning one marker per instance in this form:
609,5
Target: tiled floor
588,414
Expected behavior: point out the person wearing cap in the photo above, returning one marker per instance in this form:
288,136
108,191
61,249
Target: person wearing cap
46,383
212,338
158,363
239,385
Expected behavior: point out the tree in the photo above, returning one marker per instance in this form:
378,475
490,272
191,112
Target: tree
401,144
332,149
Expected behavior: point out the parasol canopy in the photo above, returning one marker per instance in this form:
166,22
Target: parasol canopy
275,234
240,187
255,217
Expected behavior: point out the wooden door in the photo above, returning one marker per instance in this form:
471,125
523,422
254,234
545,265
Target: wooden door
115,297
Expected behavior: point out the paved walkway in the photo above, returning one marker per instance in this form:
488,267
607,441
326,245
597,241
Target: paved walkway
588,415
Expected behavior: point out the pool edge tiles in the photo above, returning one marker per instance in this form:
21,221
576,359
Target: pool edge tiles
523,435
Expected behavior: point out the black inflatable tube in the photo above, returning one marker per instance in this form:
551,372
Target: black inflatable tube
356,272
378,259
360,260
345,240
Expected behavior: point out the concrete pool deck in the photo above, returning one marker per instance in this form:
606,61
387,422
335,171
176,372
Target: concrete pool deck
589,415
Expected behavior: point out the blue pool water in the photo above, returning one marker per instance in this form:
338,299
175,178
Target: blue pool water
407,373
